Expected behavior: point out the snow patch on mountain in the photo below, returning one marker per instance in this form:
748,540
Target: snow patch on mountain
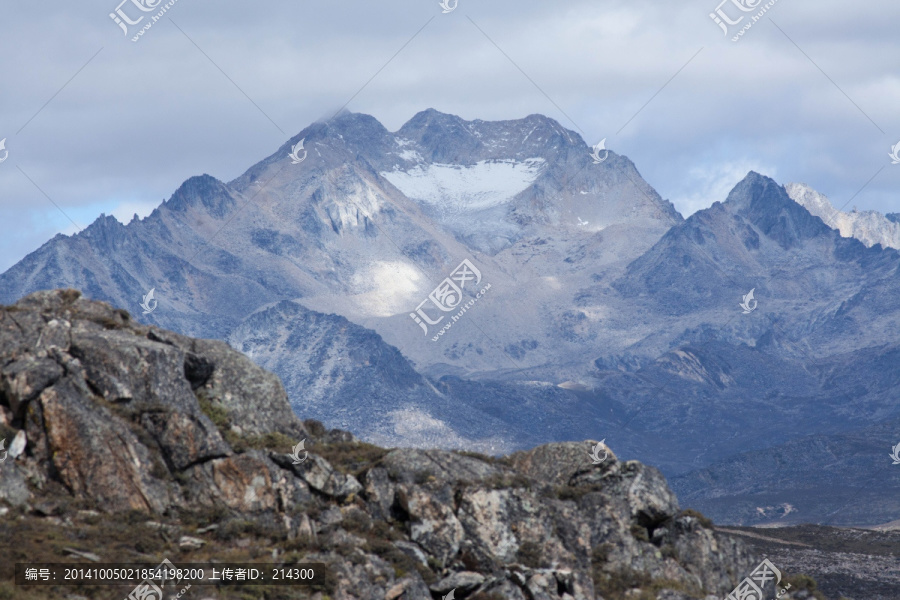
869,227
411,155
386,288
485,184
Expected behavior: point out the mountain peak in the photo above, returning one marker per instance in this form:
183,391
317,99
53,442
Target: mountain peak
430,117
345,124
752,186
355,123
767,205
445,138
106,231
204,190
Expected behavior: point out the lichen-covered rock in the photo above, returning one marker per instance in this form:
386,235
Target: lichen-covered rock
112,409
22,380
93,453
246,483
432,520
321,476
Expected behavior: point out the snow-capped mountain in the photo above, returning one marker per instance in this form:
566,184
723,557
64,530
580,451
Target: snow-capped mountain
598,311
869,226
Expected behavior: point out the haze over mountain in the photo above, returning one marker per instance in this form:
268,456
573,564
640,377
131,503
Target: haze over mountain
608,315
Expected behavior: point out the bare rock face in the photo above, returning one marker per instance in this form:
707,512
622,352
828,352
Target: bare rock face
92,454
135,418
113,411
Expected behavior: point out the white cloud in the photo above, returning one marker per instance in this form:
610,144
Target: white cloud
126,211
705,184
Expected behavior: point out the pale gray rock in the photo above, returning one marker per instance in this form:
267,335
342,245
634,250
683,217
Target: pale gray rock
464,581
321,476
869,227
190,543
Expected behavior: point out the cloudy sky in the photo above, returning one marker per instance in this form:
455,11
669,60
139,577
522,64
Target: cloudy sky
95,123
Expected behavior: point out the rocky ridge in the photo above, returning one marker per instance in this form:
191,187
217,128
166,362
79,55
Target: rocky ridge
869,227
190,439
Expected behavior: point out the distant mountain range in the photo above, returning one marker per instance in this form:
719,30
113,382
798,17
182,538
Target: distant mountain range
592,309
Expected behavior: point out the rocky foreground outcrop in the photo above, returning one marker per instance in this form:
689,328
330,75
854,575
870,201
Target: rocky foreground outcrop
110,424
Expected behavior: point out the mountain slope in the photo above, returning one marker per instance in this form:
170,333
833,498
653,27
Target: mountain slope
855,481
760,239
343,373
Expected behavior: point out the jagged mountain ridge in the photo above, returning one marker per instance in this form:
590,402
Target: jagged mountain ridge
759,238
336,233
869,227
325,234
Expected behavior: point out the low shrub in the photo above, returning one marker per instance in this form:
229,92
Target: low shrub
701,518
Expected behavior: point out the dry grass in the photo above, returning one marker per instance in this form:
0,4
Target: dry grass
125,538
350,458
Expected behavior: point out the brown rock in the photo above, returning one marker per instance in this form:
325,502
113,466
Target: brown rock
22,380
96,455
244,482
